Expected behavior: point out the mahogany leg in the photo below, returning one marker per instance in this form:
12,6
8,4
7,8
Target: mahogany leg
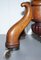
12,38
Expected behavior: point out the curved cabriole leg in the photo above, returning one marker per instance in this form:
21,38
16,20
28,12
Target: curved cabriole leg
12,38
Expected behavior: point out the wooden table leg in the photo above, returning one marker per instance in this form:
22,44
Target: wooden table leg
12,38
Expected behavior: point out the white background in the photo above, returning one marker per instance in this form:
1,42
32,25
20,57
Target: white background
10,13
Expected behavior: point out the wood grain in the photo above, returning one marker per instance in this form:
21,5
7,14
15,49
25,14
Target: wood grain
12,38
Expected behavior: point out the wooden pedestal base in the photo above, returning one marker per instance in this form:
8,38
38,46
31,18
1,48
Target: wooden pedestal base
36,28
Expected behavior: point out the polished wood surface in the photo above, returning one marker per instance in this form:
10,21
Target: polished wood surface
12,38
32,12
36,10
36,28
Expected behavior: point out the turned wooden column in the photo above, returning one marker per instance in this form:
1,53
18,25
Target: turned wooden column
36,11
12,38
